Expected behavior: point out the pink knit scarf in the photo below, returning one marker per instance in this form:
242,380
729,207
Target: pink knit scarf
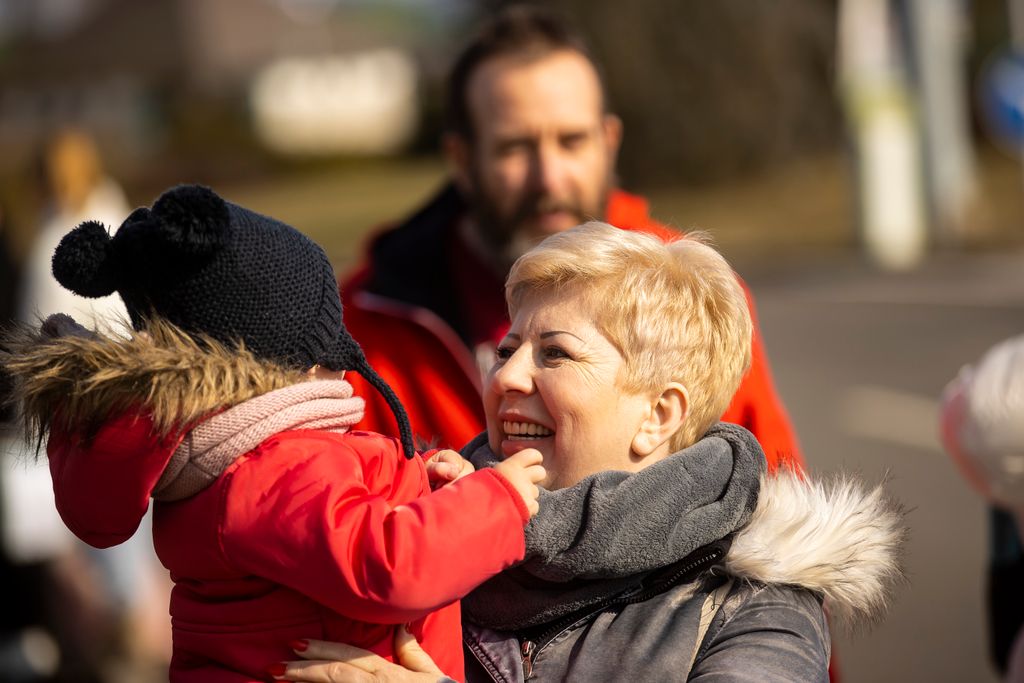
214,444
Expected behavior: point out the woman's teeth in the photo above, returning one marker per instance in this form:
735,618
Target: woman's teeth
525,430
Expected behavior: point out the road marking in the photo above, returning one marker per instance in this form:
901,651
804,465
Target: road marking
891,416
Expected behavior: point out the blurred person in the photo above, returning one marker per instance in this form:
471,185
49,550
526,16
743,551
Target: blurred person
76,187
111,598
531,147
79,189
228,407
1005,585
982,426
661,550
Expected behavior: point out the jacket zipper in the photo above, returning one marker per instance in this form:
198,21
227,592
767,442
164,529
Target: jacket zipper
531,648
528,649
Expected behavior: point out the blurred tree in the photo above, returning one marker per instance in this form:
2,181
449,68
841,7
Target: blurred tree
709,89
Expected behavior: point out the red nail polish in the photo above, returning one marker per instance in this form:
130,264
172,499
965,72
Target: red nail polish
276,670
299,645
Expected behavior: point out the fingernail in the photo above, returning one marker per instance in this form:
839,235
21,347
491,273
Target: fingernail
278,669
299,645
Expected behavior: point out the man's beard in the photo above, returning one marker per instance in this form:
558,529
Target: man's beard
505,236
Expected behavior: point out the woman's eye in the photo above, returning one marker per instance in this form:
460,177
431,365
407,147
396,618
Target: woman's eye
503,353
555,353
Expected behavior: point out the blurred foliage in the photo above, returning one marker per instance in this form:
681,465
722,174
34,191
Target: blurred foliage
709,89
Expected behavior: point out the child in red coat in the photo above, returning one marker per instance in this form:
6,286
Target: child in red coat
226,405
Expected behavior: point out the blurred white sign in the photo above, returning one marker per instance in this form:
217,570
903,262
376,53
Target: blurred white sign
355,104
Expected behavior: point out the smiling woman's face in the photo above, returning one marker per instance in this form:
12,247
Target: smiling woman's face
555,387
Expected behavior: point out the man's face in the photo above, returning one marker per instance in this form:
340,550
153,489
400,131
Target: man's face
543,150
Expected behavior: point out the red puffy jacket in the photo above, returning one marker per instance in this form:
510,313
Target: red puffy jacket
310,534
401,306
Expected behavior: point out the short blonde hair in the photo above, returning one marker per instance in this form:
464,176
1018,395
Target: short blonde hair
675,311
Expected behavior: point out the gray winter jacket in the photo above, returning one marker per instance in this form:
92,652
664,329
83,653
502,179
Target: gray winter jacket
804,544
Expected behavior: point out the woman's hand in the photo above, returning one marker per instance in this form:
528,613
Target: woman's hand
324,662
445,467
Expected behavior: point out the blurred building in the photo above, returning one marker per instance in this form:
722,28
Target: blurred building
146,76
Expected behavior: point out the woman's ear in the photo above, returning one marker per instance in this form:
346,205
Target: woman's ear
667,414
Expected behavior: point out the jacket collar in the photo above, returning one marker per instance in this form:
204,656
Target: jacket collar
411,262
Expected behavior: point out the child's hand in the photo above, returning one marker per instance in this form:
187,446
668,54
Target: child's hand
445,467
524,471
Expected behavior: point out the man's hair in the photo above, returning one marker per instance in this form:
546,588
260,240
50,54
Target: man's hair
525,31
676,311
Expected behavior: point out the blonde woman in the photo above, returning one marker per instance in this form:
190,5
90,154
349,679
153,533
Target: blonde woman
661,550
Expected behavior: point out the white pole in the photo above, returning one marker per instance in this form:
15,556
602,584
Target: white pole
939,29
884,127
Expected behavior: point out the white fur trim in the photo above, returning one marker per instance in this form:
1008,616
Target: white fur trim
834,538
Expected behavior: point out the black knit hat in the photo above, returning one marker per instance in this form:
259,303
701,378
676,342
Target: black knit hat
215,268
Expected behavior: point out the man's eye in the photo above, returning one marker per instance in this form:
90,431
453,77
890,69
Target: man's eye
510,147
573,141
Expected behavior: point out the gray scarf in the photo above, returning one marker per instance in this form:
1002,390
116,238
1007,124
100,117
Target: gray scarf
601,536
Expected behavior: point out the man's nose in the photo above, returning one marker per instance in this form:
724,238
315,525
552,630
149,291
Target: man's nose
550,171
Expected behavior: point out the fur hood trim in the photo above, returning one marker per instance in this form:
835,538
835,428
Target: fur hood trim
834,538
79,380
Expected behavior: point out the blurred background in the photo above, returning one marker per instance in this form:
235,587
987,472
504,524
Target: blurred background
859,161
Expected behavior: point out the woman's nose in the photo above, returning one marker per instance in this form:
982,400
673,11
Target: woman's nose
515,373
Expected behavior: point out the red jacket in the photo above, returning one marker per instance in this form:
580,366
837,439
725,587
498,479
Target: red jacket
401,305
310,534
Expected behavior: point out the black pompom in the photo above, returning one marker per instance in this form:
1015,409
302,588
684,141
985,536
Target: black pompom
82,261
194,220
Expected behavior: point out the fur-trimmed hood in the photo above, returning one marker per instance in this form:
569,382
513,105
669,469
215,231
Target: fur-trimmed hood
113,410
74,379
836,538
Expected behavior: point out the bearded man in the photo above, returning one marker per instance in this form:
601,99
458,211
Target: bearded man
531,146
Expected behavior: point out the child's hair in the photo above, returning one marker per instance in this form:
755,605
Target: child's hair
676,311
220,271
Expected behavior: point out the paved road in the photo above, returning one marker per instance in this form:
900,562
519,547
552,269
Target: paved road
860,359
